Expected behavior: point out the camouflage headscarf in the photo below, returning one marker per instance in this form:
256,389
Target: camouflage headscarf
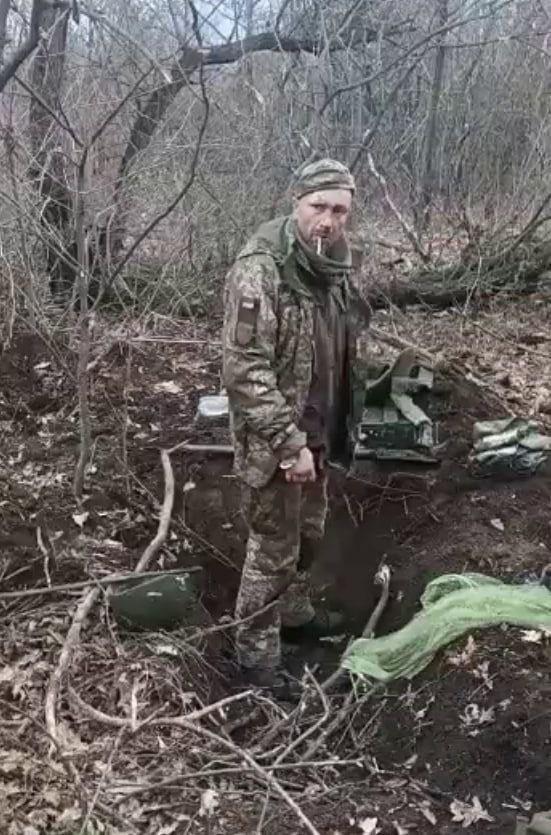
320,175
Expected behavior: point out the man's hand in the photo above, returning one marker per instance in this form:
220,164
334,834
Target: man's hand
304,469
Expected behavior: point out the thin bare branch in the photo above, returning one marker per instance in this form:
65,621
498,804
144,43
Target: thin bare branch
27,47
408,229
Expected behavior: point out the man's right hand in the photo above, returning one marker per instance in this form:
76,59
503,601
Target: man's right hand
305,468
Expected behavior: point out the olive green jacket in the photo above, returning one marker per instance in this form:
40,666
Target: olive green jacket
268,341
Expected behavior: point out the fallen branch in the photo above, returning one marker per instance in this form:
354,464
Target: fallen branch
166,513
161,721
383,576
312,729
176,782
43,550
89,599
334,678
170,340
109,580
392,340
218,449
482,274
69,645
240,753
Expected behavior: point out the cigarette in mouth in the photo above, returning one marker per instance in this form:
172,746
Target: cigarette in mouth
318,246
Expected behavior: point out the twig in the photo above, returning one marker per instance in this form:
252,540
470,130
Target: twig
510,341
85,324
392,340
166,513
219,449
161,721
383,577
408,229
99,581
176,782
50,111
328,684
44,552
528,228
230,746
88,600
179,197
101,18
101,782
222,627
173,340
369,629
124,428
71,641
312,729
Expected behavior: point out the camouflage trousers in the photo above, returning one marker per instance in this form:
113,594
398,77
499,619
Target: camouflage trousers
285,523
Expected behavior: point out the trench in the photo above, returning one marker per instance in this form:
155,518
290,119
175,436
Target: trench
368,524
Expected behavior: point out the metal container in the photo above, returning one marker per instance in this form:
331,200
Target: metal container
162,602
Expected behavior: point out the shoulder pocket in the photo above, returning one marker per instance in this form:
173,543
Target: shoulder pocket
247,318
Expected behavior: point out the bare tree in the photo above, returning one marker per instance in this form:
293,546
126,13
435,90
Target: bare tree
4,11
430,143
48,168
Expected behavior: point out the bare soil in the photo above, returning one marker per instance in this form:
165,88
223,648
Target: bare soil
416,751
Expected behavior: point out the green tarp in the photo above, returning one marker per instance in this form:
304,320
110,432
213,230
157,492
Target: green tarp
453,605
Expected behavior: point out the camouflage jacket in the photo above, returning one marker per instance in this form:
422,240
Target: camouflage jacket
268,341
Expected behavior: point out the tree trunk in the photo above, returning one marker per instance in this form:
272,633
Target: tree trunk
4,11
431,143
48,169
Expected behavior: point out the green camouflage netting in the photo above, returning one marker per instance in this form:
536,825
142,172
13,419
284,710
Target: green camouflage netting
453,605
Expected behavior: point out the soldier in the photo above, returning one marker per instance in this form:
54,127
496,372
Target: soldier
289,342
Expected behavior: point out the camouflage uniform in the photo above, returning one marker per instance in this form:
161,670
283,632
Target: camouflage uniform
268,359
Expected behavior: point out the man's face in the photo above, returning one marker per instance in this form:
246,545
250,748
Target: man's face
322,216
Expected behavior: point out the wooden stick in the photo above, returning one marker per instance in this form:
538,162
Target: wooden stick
161,721
110,579
71,641
176,782
241,753
219,449
164,518
383,576
89,599
369,629
173,340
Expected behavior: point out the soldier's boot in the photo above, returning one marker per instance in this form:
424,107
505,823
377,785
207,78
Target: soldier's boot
324,623
301,621
274,680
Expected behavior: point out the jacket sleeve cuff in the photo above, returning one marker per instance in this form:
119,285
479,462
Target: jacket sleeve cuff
289,442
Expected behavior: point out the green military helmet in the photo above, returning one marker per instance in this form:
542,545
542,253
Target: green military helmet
162,602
